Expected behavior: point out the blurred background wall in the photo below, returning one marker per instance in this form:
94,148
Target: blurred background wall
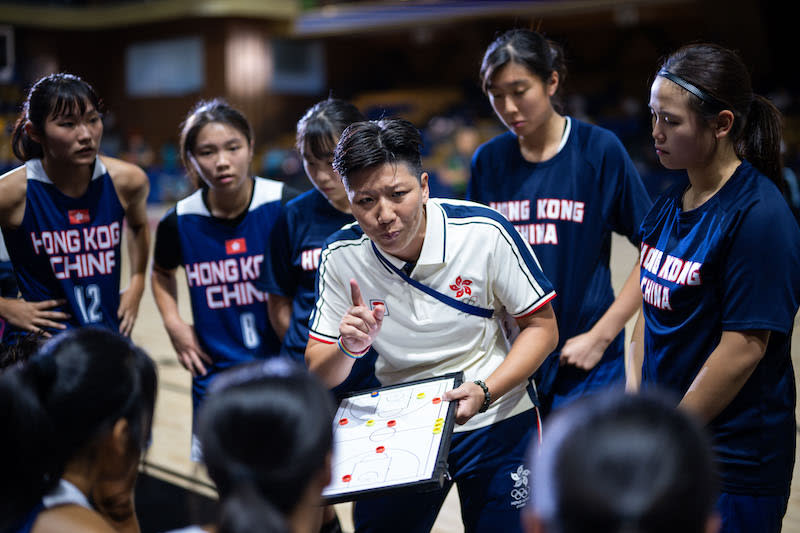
150,60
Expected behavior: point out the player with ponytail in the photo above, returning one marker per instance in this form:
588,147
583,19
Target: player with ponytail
720,278
266,432
76,417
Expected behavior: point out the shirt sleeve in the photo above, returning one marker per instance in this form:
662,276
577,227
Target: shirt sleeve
277,274
630,201
167,253
332,299
517,278
761,274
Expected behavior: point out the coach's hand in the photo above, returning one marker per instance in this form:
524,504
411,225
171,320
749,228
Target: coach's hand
187,347
360,325
469,397
33,316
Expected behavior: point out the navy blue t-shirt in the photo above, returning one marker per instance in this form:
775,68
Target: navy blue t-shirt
291,269
222,259
566,208
732,264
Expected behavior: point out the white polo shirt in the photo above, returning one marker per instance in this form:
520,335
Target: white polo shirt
470,253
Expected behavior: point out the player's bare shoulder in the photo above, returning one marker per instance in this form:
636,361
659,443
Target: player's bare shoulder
130,181
13,186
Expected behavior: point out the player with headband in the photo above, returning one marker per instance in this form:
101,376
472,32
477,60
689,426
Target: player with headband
720,278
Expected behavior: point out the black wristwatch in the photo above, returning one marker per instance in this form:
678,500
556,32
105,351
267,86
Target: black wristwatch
487,396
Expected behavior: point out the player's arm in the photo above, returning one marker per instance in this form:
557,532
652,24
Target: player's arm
13,188
537,338
279,308
725,372
357,330
28,316
181,334
586,350
132,186
166,259
634,357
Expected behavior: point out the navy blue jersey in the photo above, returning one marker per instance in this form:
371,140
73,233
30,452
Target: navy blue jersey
732,264
69,248
291,269
222,259
566,208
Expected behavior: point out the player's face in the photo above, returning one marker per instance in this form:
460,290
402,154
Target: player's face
682,140
72,138
326,180
221,156
521,99
389,204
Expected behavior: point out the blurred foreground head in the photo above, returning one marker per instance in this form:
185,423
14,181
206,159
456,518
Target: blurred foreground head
615,463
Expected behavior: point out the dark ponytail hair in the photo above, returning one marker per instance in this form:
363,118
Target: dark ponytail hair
52,96
618,463
721,75
206,112
319,129
266,431
528,48
61,403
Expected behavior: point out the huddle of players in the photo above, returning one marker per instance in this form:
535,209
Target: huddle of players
412,266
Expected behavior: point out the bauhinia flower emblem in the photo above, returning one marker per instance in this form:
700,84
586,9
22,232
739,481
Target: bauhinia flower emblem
461,287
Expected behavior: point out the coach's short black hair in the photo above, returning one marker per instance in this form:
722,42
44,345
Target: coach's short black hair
365,145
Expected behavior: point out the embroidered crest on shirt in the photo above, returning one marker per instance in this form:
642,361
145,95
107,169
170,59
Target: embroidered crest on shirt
375,303
461,287
520,492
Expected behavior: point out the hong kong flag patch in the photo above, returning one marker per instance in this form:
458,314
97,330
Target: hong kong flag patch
236,246
78,216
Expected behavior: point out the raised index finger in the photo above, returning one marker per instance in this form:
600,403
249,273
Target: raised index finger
355,293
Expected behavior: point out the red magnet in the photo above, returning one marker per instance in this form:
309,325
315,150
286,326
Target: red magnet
436,400
380,449
343,421
391,423
346,478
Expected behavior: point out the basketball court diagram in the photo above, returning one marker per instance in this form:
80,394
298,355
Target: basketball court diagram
388,437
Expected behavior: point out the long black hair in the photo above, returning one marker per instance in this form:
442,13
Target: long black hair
266,431
722,77
52,96
616,463
58,406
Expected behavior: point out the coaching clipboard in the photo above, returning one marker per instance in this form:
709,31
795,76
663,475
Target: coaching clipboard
392,438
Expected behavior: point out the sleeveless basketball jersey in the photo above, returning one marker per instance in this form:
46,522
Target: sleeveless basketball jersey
222,260
69,248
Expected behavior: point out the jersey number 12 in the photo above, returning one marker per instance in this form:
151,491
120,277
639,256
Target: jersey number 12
88,300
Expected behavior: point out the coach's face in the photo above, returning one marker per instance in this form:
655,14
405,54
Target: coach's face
388,202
